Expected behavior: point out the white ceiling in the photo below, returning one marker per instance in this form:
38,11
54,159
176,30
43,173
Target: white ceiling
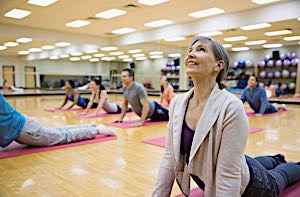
46,25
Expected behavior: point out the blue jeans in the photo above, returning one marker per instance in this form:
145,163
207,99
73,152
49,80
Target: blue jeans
160,113
270,175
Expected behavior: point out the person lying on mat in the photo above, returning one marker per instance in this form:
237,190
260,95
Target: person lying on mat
72,94
257,99
136,95
166,92
100,97
14,126
207,136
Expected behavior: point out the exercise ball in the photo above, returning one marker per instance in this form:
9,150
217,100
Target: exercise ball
292,86
235,64
270,74
289,55
248,63
285,73
286,63
263,74
283,86
277,74
293,55
241,64
278,63
282,56
294,61
276,86
270,63
262,64
261,85
267,57
293,74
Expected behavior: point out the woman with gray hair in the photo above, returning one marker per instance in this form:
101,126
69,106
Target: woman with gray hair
207,136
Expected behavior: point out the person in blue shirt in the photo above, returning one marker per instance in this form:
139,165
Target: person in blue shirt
72,94
14,126
257,99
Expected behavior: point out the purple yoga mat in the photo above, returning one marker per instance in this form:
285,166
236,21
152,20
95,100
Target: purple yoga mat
128,123
252,114
291,191
161,141
16,149
62,110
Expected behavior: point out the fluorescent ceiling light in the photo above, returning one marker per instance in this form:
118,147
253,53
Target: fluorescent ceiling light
17,13
211,33
158,23
76,53
23,52
86,57
94,60
138,55
207,12
277,33
255,42
108,58
48,47
123,30
140,58
54,57
151,2
99,55
78,23
127,60
92,51
174,55
134,51
235,38
2,48
291,38
256,26
156,56
43,3
263,1
123,56
110,13
155,53
268,46
74,59
34,50
11,44
240,49
62,44
109,48
174,39
116,53
24,40
227,45
64,55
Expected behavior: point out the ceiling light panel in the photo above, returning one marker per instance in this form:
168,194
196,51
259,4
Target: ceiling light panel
240,49
155,53
48,47
260,2
291,38
270,46
23,52
134,51
227,45
205,13
255,42
175,39
62,44
11,44
78,23
151,2
278,33
43,3
24,40
235,38
211,33
34,50
17,13
109,48
123,30
158,23
2,48
110,13
256,26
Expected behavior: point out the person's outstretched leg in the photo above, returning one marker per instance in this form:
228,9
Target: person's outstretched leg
270,162
286,174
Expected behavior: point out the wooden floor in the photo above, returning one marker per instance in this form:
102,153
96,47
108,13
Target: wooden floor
122,167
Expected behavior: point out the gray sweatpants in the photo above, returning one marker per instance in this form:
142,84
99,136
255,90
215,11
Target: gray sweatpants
33,133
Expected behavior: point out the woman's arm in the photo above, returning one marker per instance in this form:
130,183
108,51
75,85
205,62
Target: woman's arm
166,174
90,103
103,97
65,102
76,95
231,152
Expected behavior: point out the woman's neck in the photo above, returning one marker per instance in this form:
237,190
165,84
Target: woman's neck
202,90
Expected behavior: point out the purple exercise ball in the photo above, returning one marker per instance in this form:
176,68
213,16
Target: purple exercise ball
293,74
267,57
277,74
294,61
278,63
286,63
282,56
270,63
263,74
270,74
262,64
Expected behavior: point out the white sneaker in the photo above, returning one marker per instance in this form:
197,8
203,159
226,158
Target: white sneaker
105,130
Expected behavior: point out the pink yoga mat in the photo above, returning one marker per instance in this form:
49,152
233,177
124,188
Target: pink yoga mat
16,149
291,191
252,114
61,110
161,141
128,123
101,114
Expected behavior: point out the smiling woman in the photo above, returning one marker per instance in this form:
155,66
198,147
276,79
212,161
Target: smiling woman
207,136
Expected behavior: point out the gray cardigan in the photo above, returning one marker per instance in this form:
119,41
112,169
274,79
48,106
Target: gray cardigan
217,153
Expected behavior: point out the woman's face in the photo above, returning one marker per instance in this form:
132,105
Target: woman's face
93,86
200,60
163,82
68,86
252,82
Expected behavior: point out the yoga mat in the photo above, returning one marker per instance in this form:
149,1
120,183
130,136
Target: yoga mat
291,191
101,114
61,110
252,114
16,149
161,141
127,123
